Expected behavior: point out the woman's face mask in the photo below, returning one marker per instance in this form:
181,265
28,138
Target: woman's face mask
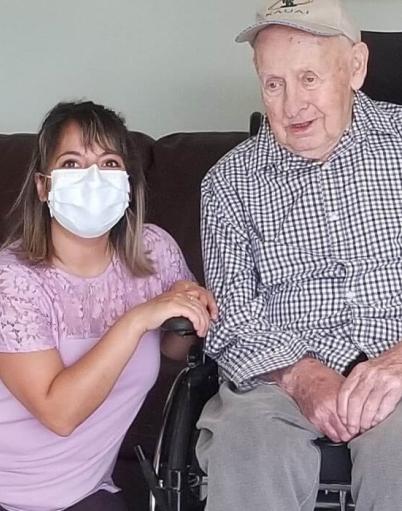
88,202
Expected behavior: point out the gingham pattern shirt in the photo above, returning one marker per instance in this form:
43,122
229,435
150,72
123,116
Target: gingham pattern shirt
306,257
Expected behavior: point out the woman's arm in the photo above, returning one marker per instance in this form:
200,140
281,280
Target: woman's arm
63,397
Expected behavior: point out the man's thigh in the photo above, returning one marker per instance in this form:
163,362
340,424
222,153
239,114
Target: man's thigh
265,405
258,451
377,465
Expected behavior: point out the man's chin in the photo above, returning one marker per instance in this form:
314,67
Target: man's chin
308,148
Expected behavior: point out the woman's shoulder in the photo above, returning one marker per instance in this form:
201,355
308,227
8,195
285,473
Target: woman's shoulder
156,238
9,261
12,266
8,256
166,256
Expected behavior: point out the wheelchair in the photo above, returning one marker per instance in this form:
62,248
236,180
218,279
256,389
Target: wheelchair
176,480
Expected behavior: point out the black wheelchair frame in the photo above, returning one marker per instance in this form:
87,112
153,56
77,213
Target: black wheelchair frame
176,480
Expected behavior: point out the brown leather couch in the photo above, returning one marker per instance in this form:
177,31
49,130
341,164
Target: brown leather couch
174,166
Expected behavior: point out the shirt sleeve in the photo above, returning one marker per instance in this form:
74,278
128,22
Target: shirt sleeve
168,259
243,341
25,324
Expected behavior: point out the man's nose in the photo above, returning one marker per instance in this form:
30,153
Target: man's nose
294,101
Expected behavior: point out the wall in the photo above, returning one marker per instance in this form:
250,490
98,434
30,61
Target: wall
167,65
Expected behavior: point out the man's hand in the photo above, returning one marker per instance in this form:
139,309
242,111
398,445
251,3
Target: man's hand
371,391
315,389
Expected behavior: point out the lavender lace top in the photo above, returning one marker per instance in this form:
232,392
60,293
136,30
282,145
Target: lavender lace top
43,308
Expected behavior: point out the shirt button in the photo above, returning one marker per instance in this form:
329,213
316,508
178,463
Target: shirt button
350,295
333,217
326,166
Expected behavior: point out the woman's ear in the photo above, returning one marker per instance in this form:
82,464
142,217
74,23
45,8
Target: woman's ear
41,186
360,55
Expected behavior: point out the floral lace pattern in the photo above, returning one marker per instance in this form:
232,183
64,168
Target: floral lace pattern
41,305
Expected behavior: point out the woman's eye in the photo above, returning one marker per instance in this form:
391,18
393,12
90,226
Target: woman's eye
112,163
70,164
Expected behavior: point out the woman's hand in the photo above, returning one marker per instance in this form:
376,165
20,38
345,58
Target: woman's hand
185,299
199,292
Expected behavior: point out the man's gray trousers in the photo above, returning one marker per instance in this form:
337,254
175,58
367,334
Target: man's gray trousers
257,449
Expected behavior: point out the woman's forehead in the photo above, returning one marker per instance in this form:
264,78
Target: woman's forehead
72,134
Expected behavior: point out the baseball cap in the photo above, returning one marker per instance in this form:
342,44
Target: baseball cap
320,17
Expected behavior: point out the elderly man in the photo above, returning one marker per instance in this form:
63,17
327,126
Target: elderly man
302,241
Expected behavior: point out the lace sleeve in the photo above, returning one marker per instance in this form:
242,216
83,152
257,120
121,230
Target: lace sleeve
168,258
24,314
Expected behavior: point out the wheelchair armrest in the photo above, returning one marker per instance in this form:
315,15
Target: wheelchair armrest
179,325
336,465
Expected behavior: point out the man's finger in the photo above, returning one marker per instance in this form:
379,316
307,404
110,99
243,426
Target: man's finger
342,432
331,433
356,402
353,396
345,391
387,406
371,408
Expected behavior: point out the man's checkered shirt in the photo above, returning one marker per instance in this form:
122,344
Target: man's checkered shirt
306,257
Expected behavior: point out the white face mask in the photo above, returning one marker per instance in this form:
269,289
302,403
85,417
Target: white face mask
88,202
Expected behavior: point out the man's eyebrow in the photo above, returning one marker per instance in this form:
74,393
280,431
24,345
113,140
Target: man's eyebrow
270,76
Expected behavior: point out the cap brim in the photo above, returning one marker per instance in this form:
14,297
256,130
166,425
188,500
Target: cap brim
250,33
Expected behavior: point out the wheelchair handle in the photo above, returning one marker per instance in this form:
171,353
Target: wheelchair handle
179,325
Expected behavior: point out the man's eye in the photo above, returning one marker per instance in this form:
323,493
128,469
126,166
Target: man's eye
273,86
310,79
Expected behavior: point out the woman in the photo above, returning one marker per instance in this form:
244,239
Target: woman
84,287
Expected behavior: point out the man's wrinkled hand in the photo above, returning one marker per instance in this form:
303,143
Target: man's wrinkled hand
315,389
371,392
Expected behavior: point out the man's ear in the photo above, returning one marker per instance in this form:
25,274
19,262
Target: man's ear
360,54
41,186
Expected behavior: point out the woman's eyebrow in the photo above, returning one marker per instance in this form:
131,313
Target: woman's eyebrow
77,153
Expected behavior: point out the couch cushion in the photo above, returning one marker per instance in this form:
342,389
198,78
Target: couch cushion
384,73
180,161
15,153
